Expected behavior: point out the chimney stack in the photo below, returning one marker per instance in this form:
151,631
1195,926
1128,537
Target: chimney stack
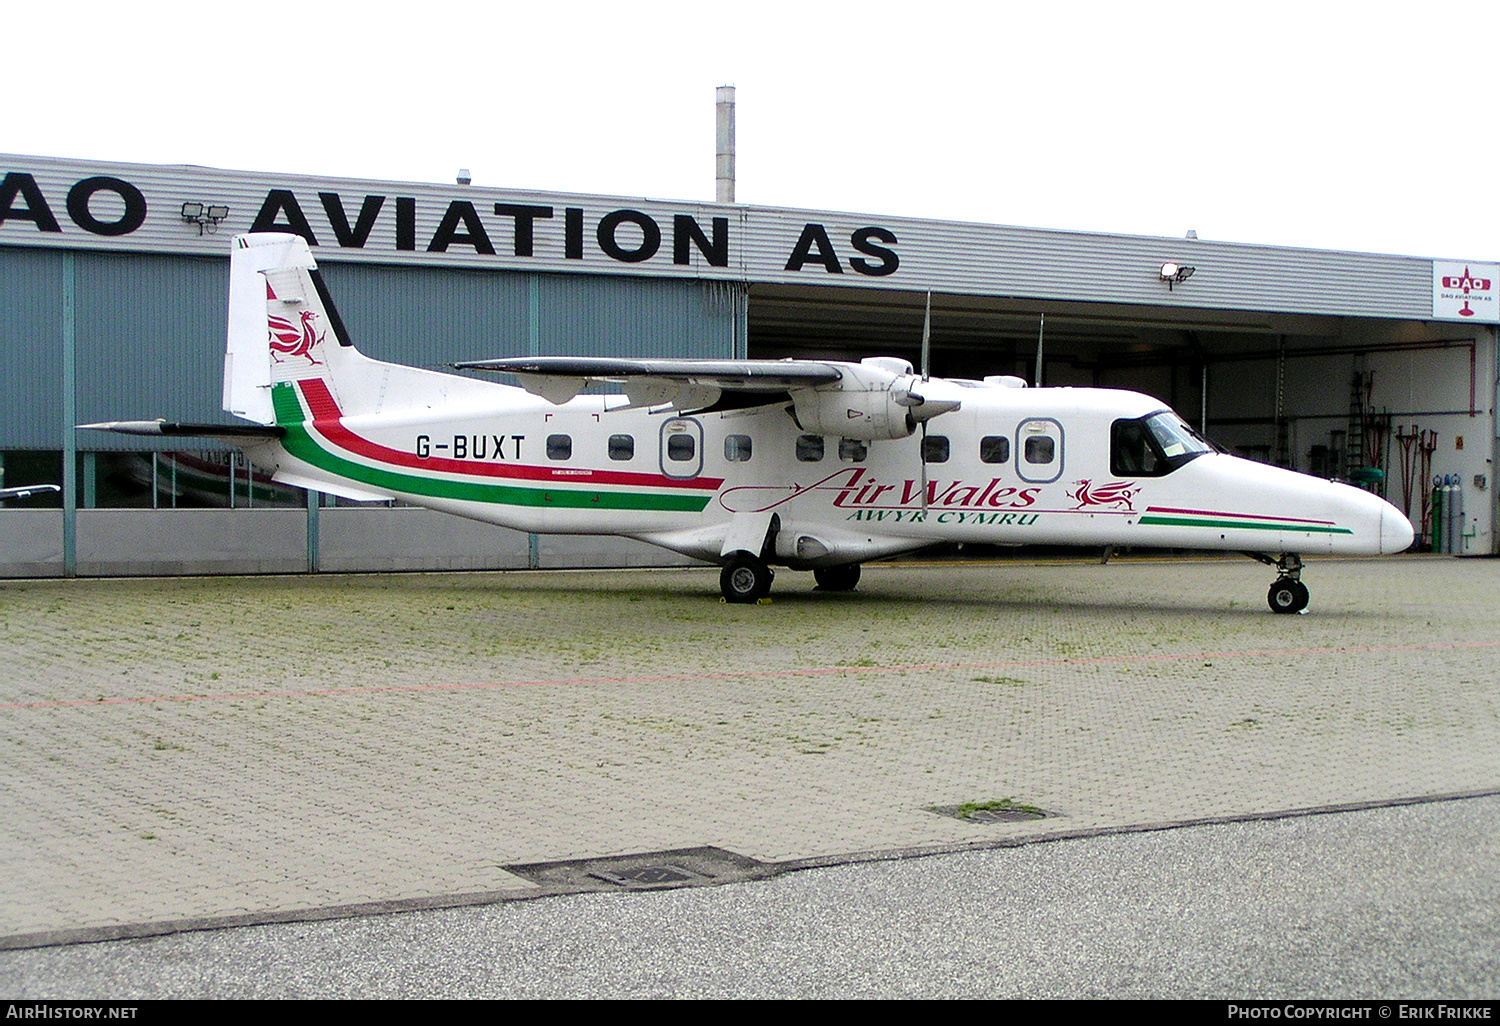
724,137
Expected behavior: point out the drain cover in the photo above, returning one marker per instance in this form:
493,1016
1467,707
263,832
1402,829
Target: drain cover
665,875
680,867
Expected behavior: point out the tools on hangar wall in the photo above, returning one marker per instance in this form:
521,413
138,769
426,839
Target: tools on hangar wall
1367,458
1417,447
1360,454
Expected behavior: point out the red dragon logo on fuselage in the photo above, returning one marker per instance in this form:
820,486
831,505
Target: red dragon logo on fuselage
1116,493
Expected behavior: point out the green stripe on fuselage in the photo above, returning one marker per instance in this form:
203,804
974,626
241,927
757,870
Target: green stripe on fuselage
1240,524
300,443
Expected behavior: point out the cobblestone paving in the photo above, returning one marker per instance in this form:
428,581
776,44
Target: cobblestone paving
213,747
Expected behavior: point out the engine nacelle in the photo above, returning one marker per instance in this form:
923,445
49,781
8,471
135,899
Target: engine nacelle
863,414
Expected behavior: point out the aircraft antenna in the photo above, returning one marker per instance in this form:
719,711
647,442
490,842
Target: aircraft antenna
927,339
1040,329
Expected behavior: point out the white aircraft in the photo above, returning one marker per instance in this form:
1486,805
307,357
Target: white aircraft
27,491
809,464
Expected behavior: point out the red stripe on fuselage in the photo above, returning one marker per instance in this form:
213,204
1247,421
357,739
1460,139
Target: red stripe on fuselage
327,421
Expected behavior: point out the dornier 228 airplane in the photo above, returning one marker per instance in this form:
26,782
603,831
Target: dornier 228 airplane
809,464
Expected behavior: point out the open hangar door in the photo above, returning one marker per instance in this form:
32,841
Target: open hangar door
1338,397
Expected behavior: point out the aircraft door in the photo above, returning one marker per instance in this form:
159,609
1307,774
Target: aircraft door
681,447
1039,450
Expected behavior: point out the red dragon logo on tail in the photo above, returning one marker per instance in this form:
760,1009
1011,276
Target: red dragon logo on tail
1116,493
288,338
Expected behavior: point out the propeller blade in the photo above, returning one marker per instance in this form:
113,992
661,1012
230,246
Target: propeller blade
925,409
922,458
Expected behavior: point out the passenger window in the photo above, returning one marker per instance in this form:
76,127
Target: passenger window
809,448
853,450
559,447
737,448
622,447
994,449
1041,450
935,449
681,448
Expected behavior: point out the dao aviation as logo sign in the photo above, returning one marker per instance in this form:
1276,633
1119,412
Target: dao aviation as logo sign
1465,291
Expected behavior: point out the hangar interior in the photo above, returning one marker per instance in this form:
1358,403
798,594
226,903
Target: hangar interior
1329,396
119,332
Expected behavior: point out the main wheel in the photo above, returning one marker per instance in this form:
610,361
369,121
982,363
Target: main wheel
837,578
1287,596
745,579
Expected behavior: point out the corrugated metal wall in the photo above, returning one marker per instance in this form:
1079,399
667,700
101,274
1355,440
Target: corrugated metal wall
629,318
30,349
423,317
761,244
150,330
150,339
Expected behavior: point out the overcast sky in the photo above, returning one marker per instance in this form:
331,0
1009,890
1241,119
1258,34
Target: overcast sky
1331,125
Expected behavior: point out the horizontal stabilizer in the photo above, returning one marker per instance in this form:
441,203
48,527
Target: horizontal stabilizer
27,491
228,432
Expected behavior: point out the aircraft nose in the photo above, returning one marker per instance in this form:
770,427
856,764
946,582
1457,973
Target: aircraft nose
1396,532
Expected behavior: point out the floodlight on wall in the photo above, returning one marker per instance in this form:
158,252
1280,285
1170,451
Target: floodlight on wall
201,215
1172,273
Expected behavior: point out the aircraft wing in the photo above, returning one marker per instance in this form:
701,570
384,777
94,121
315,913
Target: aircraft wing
685,384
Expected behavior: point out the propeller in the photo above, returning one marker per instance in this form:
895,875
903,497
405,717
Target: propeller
926,375
919,408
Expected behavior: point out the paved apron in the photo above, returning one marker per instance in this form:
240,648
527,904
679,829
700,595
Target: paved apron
258,748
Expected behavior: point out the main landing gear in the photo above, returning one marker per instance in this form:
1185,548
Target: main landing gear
1288,594
746,578
837,578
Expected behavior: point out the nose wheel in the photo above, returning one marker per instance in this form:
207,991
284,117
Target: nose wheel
1287,596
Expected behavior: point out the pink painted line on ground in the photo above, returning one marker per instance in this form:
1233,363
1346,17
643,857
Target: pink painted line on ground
811,671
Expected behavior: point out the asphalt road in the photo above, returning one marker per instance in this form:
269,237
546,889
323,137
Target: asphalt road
1384,904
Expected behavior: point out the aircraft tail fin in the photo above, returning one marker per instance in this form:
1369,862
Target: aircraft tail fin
282,323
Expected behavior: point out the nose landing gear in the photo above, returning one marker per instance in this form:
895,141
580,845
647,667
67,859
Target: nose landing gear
1288,594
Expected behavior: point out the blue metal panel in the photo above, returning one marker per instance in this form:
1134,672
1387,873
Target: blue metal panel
430,318
150,339
30,349
599,316
151,330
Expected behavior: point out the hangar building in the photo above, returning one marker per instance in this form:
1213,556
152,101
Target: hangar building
113,280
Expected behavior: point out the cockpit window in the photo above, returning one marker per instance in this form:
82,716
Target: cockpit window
1153,446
